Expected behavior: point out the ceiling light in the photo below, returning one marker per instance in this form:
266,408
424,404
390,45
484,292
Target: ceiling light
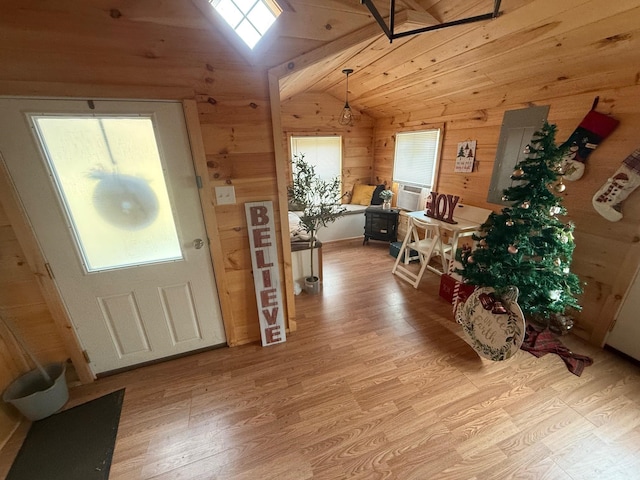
346,117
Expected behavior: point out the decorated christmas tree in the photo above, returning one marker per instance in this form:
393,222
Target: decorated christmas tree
526,245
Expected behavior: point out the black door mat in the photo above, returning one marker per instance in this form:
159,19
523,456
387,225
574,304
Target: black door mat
74,444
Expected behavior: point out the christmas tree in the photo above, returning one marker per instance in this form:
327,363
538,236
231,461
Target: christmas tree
526,245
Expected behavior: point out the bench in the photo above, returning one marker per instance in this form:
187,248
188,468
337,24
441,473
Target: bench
349,225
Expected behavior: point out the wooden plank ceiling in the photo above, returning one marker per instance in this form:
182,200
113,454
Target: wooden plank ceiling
532,51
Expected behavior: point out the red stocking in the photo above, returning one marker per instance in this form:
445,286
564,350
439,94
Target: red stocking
593,129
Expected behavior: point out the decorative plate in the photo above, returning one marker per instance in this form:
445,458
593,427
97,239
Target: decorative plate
494,328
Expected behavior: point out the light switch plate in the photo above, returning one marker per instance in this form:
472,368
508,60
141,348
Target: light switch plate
225,195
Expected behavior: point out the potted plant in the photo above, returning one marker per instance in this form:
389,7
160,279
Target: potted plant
319,202
386,196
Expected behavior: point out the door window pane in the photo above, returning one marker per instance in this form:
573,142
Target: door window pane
110,178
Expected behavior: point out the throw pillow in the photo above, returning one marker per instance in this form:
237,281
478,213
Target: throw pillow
362,194
375,198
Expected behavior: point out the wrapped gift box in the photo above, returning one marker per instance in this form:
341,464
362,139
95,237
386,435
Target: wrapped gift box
447,286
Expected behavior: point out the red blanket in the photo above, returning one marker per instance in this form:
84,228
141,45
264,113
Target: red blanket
540,343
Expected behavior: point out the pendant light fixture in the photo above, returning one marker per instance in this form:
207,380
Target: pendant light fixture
346,117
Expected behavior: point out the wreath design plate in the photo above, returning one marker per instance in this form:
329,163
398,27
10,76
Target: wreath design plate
493,336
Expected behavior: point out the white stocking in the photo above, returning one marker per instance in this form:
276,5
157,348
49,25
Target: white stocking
608,200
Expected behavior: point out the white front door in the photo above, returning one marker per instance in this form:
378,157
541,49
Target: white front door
110,190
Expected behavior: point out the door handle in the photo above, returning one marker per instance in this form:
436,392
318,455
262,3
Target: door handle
198,243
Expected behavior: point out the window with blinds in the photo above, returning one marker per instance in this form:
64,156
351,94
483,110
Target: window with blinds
324,153
416,157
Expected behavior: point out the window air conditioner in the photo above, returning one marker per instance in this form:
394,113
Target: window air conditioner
412,198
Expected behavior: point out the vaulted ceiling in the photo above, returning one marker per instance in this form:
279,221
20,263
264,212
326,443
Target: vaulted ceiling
535,49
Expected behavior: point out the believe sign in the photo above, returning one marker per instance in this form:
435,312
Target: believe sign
266,273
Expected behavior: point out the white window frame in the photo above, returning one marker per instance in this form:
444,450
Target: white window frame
297,145
417,157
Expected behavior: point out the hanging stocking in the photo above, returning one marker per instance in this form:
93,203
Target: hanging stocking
593,129
608,200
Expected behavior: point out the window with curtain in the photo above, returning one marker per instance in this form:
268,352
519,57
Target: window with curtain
416,157
324,153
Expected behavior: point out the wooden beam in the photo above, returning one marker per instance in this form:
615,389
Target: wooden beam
414,5
282,182
413,18
309,59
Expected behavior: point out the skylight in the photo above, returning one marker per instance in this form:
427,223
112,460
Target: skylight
249,18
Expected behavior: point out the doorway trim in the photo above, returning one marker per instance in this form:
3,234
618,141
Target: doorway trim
27,239
275,76
10,201
194,132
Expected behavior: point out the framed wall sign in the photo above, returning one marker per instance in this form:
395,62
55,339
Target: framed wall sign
465,156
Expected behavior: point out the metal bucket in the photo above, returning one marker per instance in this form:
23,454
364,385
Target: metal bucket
34,397
312,285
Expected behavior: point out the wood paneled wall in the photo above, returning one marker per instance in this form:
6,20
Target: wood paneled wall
9,370
23,305
317,114
12,361
607,254
132,57
168,50
238,144
21,301
144,51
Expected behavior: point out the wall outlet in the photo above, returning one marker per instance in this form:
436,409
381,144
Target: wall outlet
225,195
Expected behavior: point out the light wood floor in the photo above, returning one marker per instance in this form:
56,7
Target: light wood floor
375,384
